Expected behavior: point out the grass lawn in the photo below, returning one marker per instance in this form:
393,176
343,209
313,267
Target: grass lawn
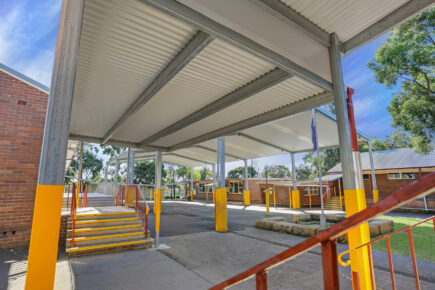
423,237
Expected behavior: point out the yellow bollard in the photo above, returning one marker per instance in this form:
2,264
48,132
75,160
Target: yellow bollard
158,208
267,201
151,195
206,195
191,195
295,199
290,198
341,199
214,196
309,197
247,198
221,210
375,195
274,199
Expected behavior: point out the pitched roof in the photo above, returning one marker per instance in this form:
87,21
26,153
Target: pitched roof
393,159
24,78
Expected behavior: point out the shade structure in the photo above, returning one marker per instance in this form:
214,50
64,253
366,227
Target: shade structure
290,134
166,75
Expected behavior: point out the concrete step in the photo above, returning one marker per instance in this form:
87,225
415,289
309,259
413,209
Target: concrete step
101,216
112,238
104,223
109,247
87,232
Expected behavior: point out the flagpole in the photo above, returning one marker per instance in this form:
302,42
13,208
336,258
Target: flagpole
316,148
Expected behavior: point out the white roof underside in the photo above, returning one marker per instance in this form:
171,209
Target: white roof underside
291,134
125,45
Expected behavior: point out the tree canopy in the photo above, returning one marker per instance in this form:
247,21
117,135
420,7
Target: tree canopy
239,172
276,171
92,164
407,61
205,173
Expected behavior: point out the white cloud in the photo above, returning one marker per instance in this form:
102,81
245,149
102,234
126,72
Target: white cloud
28,37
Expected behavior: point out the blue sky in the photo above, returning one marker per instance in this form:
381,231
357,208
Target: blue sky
28,40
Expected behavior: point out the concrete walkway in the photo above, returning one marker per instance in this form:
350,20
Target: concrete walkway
198,258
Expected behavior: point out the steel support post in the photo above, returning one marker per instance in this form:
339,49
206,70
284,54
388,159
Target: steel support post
80,174
354,194
44,238
319,169
158,194
131,168
116,175
191,184
128,165
214,183
221,191
295,192
246,193
372,166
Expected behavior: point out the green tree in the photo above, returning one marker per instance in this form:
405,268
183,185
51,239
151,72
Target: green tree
303,172
397,140
205,173
111,150
276,171
328,159
239,172
407,60
92,164
144,172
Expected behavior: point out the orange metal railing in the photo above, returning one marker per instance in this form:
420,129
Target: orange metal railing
327,238
73,212
390,260
131,195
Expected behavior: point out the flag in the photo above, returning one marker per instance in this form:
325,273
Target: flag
313,132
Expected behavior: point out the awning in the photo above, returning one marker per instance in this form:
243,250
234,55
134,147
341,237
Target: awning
165,75
291,134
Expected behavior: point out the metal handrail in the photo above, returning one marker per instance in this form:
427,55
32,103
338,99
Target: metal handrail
327,238
390,260
140,204
73,212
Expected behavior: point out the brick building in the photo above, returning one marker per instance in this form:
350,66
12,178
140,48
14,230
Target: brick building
394,169
23,105
257,187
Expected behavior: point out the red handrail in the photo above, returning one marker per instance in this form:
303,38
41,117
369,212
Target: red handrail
387,238
73,212
328,237
140,204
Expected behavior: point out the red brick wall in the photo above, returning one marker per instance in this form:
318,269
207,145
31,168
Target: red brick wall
22,117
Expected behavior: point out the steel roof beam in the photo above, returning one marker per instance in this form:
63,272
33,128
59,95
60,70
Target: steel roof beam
190,158
264,82
215,151
295,19
116,143
264,142
399,15
206,24
192,49
273,115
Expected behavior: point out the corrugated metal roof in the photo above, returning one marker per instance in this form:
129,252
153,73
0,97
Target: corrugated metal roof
292,134
284,93
218,70
123,47
394,159
344,17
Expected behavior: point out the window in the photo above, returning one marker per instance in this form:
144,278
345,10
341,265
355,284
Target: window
235,187
204,187
404,175
311,190
366,176
408,175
